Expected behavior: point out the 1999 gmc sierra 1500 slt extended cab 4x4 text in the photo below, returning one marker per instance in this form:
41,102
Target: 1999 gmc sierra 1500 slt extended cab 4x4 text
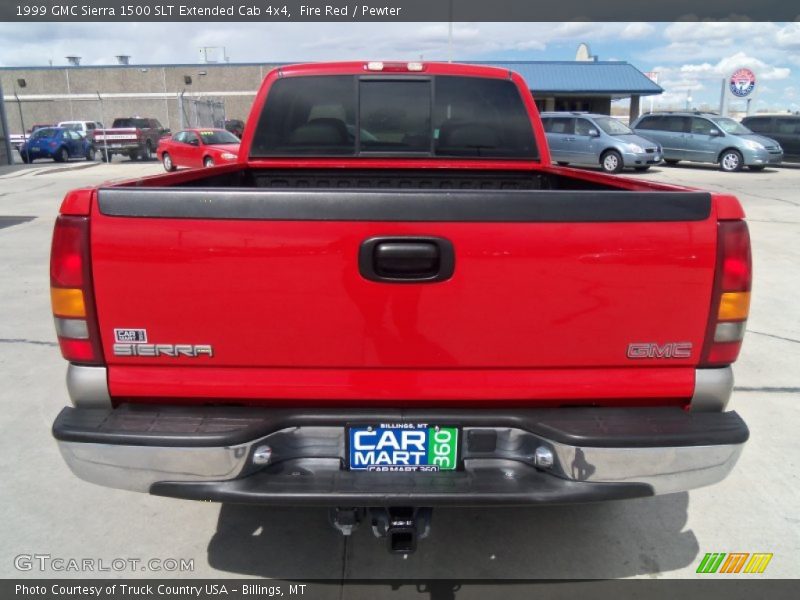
394,302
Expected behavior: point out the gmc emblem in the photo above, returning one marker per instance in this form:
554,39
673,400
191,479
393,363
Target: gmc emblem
668,350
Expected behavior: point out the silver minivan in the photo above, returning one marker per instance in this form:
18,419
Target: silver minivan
709,138
597,141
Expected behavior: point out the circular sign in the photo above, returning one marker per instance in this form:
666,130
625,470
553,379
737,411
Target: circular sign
742,82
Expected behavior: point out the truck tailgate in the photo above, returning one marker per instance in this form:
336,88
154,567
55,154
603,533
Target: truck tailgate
546,286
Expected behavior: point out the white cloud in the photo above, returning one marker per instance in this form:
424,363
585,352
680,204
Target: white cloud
637,31
726,31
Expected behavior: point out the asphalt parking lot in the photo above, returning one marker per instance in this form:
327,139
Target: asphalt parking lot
49,511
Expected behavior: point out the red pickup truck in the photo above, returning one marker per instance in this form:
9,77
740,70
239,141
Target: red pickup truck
135,137
394,301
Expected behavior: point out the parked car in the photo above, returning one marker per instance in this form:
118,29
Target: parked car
235,126
17,139
57,143
135,137
597,140
709,138
85,128
784,129
197,148
428,315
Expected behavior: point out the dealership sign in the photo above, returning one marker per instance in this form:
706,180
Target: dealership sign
742,82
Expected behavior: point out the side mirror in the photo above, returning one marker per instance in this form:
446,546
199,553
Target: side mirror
715,132
594,133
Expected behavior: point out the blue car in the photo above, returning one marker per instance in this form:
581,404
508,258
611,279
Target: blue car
58,143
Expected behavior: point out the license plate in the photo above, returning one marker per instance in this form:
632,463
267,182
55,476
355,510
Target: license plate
402,447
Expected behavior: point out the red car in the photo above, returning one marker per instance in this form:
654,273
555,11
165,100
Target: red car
198,148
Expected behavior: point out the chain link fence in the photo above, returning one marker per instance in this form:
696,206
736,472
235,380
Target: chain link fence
201,112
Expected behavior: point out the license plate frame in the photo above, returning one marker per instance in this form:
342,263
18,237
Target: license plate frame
357,450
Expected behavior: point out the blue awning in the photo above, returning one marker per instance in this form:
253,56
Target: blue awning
616,78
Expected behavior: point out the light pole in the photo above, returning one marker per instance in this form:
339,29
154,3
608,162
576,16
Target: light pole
21,83
450,34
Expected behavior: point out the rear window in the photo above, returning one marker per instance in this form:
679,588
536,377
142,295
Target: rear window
138,123
348,115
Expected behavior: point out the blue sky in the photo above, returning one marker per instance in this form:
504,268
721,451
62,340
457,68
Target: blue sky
691,57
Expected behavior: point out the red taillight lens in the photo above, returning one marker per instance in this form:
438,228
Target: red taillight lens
730,303
737,269
66,256
71,291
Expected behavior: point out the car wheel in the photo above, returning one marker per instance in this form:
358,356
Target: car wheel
671,161
105,156
147,152
561,163
134,155
166,160
641,169
730,161
208,161
62,155
91,153
611,162
756,167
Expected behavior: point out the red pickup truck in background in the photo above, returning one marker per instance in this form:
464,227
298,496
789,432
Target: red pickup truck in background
393,301
135,137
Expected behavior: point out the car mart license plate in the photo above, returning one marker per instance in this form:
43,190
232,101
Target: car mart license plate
402,447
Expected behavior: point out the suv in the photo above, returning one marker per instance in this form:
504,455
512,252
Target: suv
784,129
710,138
592,140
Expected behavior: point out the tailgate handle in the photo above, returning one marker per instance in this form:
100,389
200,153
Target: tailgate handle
406,259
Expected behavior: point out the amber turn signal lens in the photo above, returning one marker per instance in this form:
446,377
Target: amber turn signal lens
67,302
734,306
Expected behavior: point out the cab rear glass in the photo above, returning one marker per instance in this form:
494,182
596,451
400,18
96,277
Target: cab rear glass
343,115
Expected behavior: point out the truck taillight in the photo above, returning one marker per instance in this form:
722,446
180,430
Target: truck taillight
730,303
71,292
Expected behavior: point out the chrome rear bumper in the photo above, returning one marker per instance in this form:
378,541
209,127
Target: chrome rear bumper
182,452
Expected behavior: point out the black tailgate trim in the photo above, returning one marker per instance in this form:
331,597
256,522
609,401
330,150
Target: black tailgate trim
205,426
490,206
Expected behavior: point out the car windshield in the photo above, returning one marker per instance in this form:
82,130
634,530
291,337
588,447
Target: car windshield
73,126
216,136
612,126
732,127
44,133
